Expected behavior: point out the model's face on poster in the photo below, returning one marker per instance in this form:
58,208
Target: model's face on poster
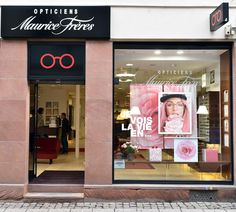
174,113
175,106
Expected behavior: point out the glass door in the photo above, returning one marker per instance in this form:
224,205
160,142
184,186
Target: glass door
33,131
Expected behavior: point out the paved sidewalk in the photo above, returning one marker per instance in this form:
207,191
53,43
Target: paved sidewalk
10,206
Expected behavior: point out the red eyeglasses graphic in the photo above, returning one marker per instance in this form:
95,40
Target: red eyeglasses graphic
54,58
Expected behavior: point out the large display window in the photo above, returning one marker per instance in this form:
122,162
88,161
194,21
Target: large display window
172,113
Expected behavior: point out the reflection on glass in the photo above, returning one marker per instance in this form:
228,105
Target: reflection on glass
175,143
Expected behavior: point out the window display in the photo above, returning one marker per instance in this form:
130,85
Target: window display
170,115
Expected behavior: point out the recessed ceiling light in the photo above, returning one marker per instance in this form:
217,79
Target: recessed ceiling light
125,75
129,64
127,80
180,52
157,52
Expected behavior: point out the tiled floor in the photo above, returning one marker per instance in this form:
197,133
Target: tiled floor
63,162
166,172
66,162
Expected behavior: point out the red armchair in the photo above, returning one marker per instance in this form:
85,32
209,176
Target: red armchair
47,148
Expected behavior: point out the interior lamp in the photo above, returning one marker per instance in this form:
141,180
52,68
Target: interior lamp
124,114
119,118
202,110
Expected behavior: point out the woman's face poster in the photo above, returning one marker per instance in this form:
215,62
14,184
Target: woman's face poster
174,113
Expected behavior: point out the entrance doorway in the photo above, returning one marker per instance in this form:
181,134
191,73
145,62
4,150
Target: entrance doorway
49,163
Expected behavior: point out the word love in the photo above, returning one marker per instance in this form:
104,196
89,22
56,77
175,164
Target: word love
138,125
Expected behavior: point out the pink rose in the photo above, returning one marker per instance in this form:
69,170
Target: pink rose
186,150
174,124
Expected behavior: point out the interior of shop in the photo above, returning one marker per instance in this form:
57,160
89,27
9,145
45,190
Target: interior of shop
147,150
47,154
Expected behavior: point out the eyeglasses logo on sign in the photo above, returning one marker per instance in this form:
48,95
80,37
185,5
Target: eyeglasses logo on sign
54,58
219,17
216,17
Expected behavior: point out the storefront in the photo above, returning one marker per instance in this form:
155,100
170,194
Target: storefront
151,101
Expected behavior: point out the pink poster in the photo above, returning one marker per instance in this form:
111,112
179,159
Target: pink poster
185,150
189,127
174,114
144,132
152,124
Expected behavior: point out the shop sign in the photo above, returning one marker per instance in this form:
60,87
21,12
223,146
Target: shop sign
219,16
55,22
56,61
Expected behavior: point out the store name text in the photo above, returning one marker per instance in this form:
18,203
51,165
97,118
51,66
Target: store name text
65,24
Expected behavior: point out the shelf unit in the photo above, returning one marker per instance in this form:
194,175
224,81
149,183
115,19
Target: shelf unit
209,125
52,110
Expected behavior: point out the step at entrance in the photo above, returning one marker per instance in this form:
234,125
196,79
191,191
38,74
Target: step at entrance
55,188
53,195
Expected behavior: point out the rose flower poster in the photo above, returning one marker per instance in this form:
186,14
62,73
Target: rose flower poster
166,111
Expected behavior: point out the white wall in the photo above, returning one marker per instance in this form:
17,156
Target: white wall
56,94
160,23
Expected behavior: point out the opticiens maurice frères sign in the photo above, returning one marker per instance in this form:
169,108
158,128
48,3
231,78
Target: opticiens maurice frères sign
55,22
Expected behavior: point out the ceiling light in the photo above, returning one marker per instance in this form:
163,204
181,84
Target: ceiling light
204,80
125,75
180,52
129,64
127,80
157,52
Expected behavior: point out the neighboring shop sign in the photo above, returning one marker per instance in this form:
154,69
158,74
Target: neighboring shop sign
55,22
56,61
219,16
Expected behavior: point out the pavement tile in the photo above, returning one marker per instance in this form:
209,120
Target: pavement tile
59,210
169,210
82,210
15,210
192,210
37,210
119,210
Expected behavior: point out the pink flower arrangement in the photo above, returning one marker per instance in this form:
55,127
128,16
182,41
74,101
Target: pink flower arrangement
128,147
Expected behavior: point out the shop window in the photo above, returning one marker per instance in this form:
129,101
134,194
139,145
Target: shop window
172,113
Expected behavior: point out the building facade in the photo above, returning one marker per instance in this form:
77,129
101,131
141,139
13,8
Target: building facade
151,77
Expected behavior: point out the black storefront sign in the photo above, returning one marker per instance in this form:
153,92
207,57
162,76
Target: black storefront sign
219,16
87,22
56,62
